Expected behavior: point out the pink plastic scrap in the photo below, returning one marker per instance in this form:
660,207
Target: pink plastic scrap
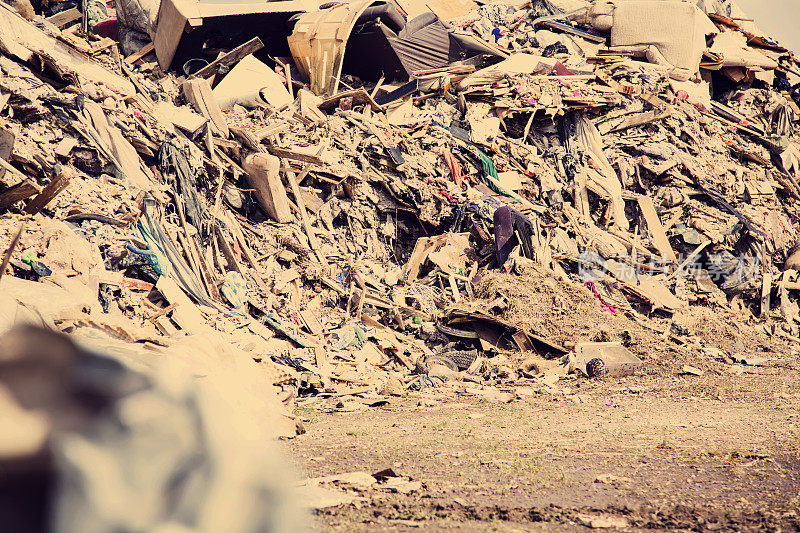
604,306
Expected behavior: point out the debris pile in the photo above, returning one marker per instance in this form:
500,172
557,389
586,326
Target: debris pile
370,198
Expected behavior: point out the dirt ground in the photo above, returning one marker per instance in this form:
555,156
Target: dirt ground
716,452
657,450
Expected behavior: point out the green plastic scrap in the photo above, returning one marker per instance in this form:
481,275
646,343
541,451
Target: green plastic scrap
155,256
361,336
277,326
488,165
490,171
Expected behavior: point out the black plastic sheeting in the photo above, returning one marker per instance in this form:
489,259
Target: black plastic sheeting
175,167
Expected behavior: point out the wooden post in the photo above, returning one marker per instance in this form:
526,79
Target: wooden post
263,174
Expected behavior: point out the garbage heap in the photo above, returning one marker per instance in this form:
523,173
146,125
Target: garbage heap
377,198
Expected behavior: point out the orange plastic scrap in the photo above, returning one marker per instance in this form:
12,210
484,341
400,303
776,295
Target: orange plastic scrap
455,167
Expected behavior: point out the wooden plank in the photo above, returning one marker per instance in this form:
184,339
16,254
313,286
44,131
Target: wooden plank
648,288
234,168
197,92
112,144
313,323
288,71
64,18
191,258
50,191
7,139
17,193
766,287
236,228
231,58
103,44
65,146
322,361
360,97
411,269
454,287
227,144
677,216
196,256
294,156
227,252
143,51
655,228
182,117
71,38
689,259
247,138
163,312
360,302
186,314
10,250
301,204
164,325
398,317
638,119
328,282
269,131
27,41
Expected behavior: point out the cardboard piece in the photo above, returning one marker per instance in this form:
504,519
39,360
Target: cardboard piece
618,360
251,83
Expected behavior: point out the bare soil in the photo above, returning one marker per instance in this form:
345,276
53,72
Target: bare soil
684,453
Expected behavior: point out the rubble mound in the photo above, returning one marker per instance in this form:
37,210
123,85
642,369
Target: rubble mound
341,195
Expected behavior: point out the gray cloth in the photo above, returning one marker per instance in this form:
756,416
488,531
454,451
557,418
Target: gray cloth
671,34
131,41
139,15
137,23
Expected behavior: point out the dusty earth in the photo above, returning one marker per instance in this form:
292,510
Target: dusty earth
657,450
717,452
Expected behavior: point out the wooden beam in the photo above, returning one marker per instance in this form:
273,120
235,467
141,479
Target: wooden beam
247,138
64,18
656,229
295,156
13,171
16,193
143,51
420,253
301,205
238,234
10,250
50,191
689,259
231,58
766,287
226,249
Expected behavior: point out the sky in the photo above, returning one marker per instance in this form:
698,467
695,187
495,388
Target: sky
779,19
